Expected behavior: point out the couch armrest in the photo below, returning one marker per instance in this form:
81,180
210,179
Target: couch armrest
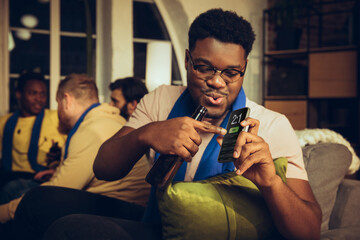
346,211
326,165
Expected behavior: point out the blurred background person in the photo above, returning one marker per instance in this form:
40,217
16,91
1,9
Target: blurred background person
126,94
74,187
26,138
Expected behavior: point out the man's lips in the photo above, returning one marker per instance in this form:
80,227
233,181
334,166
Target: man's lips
215,99
37,106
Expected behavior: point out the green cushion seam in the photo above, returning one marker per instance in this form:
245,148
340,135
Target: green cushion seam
218,189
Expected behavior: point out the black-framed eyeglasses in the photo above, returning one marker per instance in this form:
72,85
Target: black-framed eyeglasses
207,72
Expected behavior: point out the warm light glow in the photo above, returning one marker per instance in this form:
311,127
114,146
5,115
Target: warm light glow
29,20
11,42
23,34
158,64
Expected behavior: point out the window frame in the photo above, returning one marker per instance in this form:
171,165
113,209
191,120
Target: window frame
108,53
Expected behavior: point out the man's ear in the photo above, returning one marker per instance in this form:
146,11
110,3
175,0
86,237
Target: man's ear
131,106
68,100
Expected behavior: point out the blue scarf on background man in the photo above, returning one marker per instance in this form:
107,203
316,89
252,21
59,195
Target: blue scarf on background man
208,166
7,142
76,126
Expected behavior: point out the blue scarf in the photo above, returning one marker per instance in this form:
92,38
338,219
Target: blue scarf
208,166
76,126
7,142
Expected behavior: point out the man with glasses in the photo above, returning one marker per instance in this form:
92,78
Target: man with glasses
219,44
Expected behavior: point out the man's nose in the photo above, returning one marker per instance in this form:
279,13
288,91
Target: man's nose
38,96
216,81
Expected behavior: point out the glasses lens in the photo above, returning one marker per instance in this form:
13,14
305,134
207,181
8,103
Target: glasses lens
205,72
230,75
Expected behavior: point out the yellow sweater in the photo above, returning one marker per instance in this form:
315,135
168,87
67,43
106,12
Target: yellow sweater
77,170
22,135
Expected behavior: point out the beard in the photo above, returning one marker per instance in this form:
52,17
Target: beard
64,128
217,115
124,113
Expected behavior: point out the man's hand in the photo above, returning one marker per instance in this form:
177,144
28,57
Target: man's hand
178,136
54,155
44,175
253,157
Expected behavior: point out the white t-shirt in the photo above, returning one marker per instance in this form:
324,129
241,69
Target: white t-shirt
274,128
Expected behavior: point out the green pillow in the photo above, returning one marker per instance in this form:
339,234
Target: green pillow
226,206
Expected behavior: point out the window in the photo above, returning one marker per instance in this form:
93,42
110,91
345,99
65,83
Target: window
152,38
78,33
32,34
64,37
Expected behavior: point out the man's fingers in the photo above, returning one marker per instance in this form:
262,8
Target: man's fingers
253,125
208,127
244,138
249,156
246,164
185,154
192,147
219,140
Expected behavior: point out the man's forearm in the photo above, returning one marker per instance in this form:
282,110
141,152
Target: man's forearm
294,217
118,155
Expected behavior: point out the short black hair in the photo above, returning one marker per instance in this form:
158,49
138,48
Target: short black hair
132,88
24,78
225,26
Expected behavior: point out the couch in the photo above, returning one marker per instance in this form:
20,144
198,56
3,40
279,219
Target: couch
339,197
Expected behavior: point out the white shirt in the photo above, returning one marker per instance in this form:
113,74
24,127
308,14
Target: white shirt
274,128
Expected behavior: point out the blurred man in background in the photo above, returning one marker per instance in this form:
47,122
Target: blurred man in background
26,137
74,187
126,94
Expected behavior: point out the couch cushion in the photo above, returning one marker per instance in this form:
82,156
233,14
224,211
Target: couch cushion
226,206
326,165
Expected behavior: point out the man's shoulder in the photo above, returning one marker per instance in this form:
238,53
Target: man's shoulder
3,119
167,91
155,106
101,122
270,121
261,113
162,97
51,118
50,126
51,114
105,113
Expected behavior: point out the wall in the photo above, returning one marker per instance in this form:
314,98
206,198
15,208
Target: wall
114,43
178,15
